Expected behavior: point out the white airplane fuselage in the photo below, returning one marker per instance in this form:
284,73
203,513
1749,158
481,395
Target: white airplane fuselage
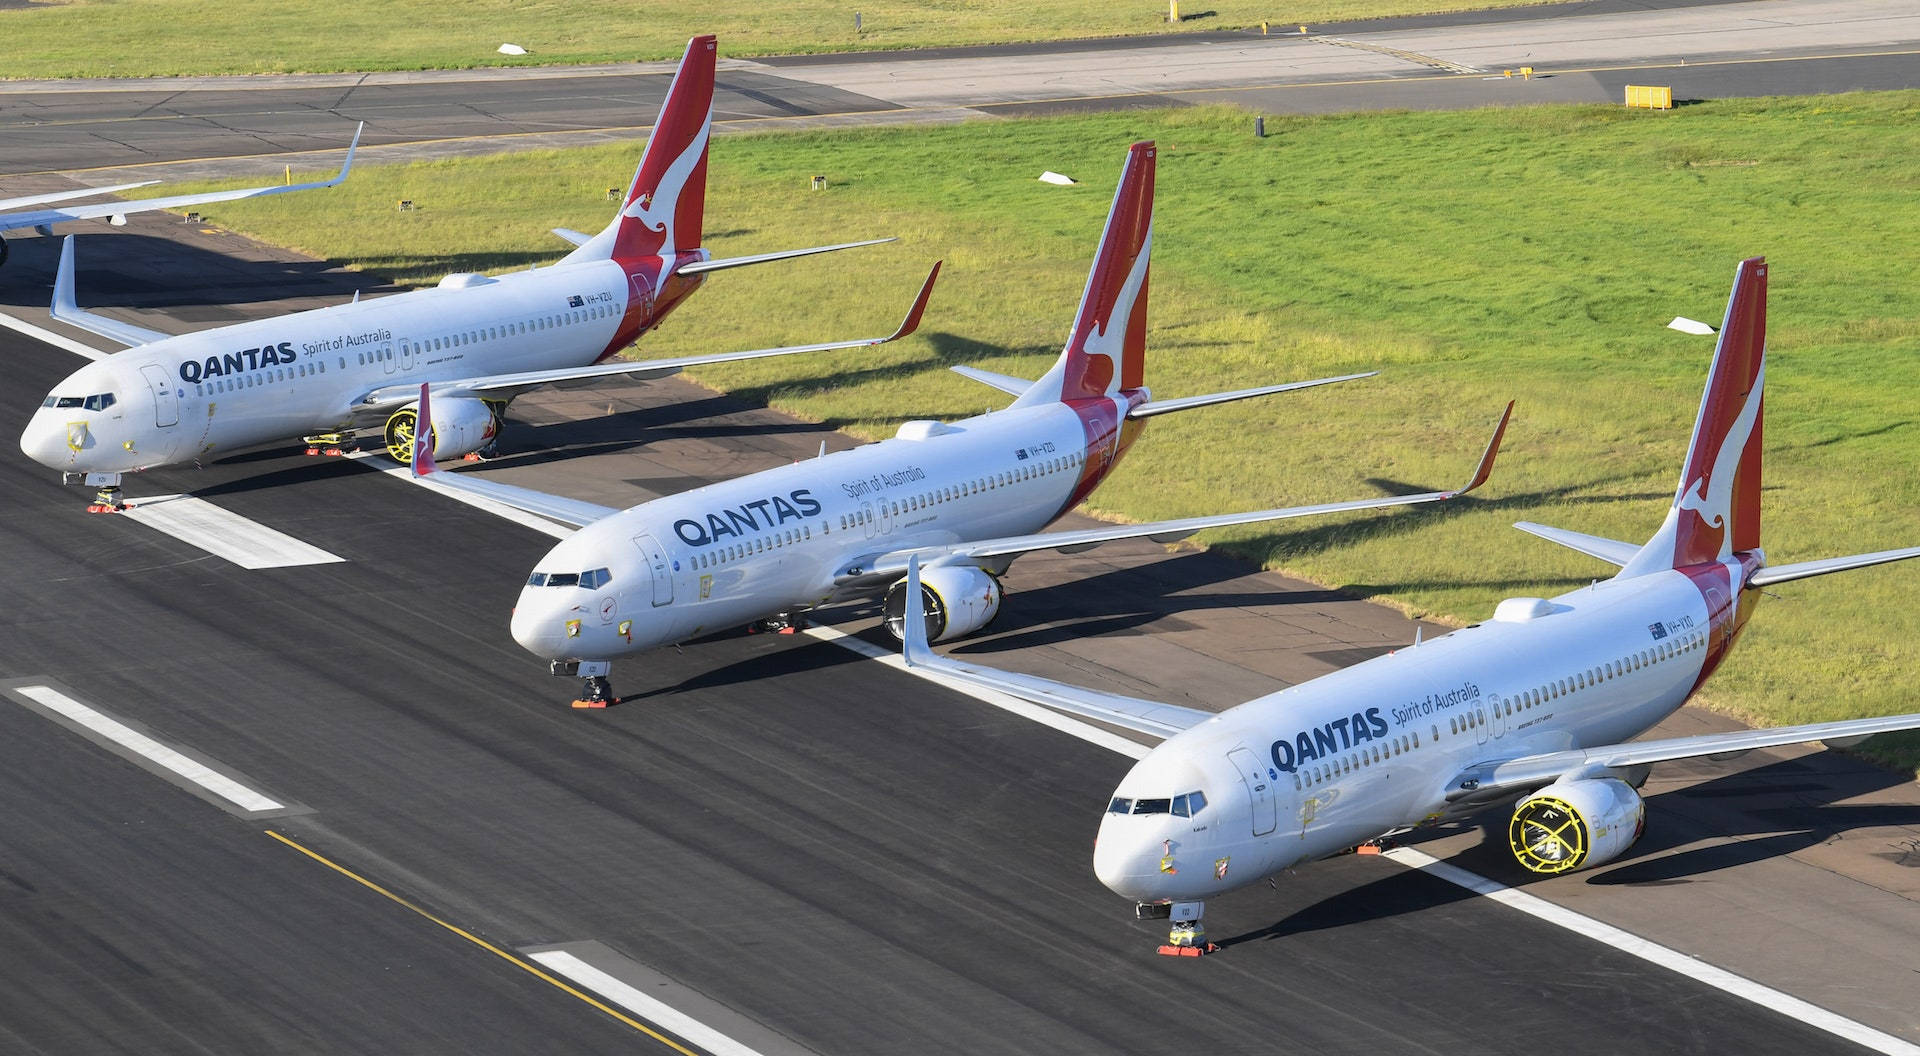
1287,781
727,554
225,390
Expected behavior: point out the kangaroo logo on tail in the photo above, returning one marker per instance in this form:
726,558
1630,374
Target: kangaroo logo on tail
1716,509
665,204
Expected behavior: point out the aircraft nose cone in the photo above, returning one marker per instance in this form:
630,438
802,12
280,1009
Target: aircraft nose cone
1121,863
43,442
538,630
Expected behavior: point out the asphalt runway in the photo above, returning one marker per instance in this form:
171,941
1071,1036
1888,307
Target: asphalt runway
847,859
184,128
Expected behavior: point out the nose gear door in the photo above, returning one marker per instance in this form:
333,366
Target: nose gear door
658,564
1259,789
165,410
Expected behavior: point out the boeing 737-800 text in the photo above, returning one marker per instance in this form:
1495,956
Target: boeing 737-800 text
1536,703
966,498
116,212
480,340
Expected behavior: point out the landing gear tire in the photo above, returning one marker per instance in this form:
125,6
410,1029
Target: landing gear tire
1188,936
106,495
595,692
333,445
779,623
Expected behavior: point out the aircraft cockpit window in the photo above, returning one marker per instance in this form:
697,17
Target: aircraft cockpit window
1189,805
1153,806
563,579
1120,805
538,579
101,402
64,401
595,579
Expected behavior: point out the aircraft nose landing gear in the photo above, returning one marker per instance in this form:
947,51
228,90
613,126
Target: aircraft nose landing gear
106,495
595,690
1187,937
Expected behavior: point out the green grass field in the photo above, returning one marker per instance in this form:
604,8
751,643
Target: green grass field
1531,254
161,38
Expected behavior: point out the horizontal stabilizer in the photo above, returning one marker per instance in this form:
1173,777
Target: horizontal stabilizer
1150,717
65,310
762,258
891,564
388,397
1492,778
1188,403
568,234
1006,383
1612,551
1808,569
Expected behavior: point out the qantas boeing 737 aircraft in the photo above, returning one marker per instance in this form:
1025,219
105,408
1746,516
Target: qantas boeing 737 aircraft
966,498
480,340
116,212
1536,703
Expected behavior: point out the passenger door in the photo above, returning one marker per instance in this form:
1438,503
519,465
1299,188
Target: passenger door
166,409
1259,789
657,563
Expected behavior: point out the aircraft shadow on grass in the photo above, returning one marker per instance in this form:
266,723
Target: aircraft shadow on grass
1744,817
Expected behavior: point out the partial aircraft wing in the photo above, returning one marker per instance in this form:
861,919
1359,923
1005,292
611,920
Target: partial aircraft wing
65,310
1187,403
61,196
505,386
1492,780
570,512
47,217
1150,717
891,564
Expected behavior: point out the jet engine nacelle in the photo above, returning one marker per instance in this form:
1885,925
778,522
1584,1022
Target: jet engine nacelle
460,425
1571,824
957,599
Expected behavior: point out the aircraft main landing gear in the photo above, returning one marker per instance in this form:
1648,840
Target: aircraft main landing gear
331,444
780,623
595,690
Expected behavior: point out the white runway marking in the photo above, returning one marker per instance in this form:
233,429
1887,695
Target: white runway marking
51,338
1627,942
246,543
636,1002
134,741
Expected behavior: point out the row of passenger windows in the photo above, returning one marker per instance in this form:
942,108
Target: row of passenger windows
262,377
747,548
1579,680
1185,805
593,579
98,402
494,333
1033,470
1369,755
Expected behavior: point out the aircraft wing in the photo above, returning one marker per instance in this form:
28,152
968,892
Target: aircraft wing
503,386
61,196
570,512
891,564
1132,713
47,217
1491,780
66,310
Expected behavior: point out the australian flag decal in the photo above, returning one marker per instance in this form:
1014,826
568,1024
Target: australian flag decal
1021,454
1658,630
576,301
